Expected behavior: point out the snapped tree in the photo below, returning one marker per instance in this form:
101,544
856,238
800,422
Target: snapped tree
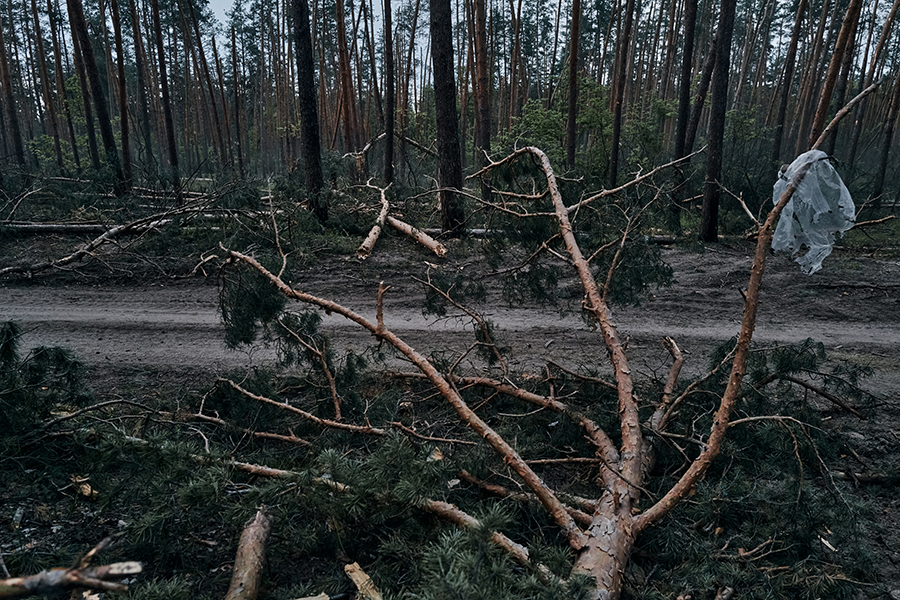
601,530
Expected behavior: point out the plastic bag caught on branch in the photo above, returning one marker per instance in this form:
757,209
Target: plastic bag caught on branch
820,208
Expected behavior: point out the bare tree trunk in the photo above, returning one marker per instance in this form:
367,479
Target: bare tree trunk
850,20
684,111
571,119
859,113
449,167
171,147
309,120
250,557
123,97
140,59
840,90
50,109
217,124
76,15
786,81
887,132
237,102
60,84
619,93
9,103
389,100
482,94
709,225
349,102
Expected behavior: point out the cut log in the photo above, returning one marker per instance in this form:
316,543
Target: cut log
251,557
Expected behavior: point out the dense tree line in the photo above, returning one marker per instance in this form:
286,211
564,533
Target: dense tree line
606,87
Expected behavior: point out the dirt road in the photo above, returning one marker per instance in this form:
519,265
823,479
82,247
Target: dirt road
852,306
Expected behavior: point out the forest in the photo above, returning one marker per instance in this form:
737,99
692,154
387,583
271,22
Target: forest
449,300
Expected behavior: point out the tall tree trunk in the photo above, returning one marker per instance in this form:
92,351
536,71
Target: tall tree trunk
389,101
887,132
9,103
204,65
140,60
60,83
684,111
76,15
790,61
171,147
850,20
482,94
237,102
859,113
622,62
349,102
86,100
449,168
709,225
571,120
123,96
840,90
50,109
309,121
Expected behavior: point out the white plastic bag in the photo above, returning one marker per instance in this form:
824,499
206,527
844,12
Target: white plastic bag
820,208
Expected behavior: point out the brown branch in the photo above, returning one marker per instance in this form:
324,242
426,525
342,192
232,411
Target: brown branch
251,557
825,394
368,244
135,227
720,421
862,224
599,438
323,361
418,235
548,499
472,315
518,552
58,581
413,433
635,181
364,583
257,434
632,438
843,113
308,416
587,378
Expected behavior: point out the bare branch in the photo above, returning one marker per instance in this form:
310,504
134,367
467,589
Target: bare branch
368,244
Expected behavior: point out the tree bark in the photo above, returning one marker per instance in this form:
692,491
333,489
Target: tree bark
122,97
310,147
571,119
389,98
140,60
482,94
171,146
49,108
61,86
250,558
847,27
449,167
684,111
709,226
9,103
619,94
887,132
237,103
83,39
790,61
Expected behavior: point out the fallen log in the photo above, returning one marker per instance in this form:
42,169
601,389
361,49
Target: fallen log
58,581
251,557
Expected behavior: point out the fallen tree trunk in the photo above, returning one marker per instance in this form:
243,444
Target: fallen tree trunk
59,581
251,557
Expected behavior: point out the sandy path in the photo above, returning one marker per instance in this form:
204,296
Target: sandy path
177,324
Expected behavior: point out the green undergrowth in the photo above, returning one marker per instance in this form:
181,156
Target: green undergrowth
768,519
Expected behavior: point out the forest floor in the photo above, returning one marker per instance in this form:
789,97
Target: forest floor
141,333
